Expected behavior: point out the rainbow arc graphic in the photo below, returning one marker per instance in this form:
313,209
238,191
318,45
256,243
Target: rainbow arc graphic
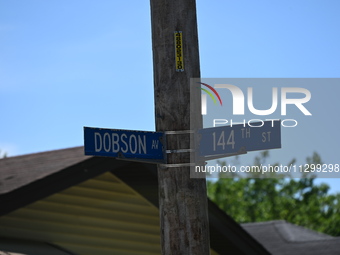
211,94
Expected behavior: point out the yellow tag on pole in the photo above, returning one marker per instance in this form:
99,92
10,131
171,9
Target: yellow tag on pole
179,51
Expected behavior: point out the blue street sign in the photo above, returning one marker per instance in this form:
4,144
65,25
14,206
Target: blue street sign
124,144
228,140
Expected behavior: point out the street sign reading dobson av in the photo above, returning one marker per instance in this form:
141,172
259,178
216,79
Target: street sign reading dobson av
124,144
228,140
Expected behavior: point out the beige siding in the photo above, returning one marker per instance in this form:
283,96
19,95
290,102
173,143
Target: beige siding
100,216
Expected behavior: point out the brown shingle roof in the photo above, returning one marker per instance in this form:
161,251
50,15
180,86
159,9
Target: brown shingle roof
283,238
16,172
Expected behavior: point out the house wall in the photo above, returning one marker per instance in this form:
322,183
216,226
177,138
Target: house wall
102,216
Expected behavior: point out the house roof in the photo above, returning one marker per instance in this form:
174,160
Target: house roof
282,238
17,172
29,178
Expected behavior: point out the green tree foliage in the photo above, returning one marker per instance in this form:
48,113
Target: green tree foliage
299,201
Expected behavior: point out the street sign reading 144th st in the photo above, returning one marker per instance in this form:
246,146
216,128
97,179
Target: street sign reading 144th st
124,144
231,140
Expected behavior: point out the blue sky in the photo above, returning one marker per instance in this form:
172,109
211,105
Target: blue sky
69,64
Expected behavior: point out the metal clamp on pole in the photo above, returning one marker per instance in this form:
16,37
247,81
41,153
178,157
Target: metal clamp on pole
179,151
177,148
177,165
179,132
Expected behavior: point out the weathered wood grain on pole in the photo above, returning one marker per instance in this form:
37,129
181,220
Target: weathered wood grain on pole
182,200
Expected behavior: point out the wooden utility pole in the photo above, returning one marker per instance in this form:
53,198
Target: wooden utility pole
182,200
